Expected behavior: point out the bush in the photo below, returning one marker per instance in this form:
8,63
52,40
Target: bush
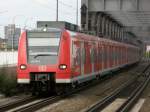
8,81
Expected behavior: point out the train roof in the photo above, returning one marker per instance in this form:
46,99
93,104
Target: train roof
57,24
45,29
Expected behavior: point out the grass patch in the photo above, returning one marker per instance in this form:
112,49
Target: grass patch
8,81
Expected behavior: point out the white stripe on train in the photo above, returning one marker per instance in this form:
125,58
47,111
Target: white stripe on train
84,78
23,81
79,79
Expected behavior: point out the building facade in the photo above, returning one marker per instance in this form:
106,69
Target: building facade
3,44
12,35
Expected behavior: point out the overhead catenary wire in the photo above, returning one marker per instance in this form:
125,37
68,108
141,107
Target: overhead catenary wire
67,5
57,10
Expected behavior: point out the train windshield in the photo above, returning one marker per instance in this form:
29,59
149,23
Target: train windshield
43,47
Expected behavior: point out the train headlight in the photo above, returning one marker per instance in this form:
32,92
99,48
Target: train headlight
23,67
45,29
63,66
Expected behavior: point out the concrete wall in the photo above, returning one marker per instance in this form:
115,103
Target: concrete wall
8,58
117,5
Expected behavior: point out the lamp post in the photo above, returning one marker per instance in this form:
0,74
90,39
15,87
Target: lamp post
77,13
57,10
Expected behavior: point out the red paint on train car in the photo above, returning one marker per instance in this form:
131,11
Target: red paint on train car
84,57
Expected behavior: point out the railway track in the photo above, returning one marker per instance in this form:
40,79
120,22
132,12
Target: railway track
35,105
49,101
134,96
17,103
42,103
31,104
131,100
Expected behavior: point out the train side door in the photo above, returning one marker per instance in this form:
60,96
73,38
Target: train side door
76,58
102,60
82,58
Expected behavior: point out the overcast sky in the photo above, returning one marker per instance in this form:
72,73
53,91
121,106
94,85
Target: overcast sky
27,12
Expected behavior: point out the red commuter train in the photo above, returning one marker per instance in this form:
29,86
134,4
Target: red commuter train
51,58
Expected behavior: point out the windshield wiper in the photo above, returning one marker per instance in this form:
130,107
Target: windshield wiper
44,55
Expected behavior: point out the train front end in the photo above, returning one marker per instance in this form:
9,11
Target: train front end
43,58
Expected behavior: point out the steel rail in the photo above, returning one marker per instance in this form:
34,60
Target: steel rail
129,103
39,104
48,101
42,103
35,106
105,101
17,103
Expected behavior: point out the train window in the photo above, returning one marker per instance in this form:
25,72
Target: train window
92,55
97,58
95,55
112,57
43,47
114,54
44,34
84,55
73,48
78,56
102,54
121,55
110,53
105,54
118,55
99,54
43,42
